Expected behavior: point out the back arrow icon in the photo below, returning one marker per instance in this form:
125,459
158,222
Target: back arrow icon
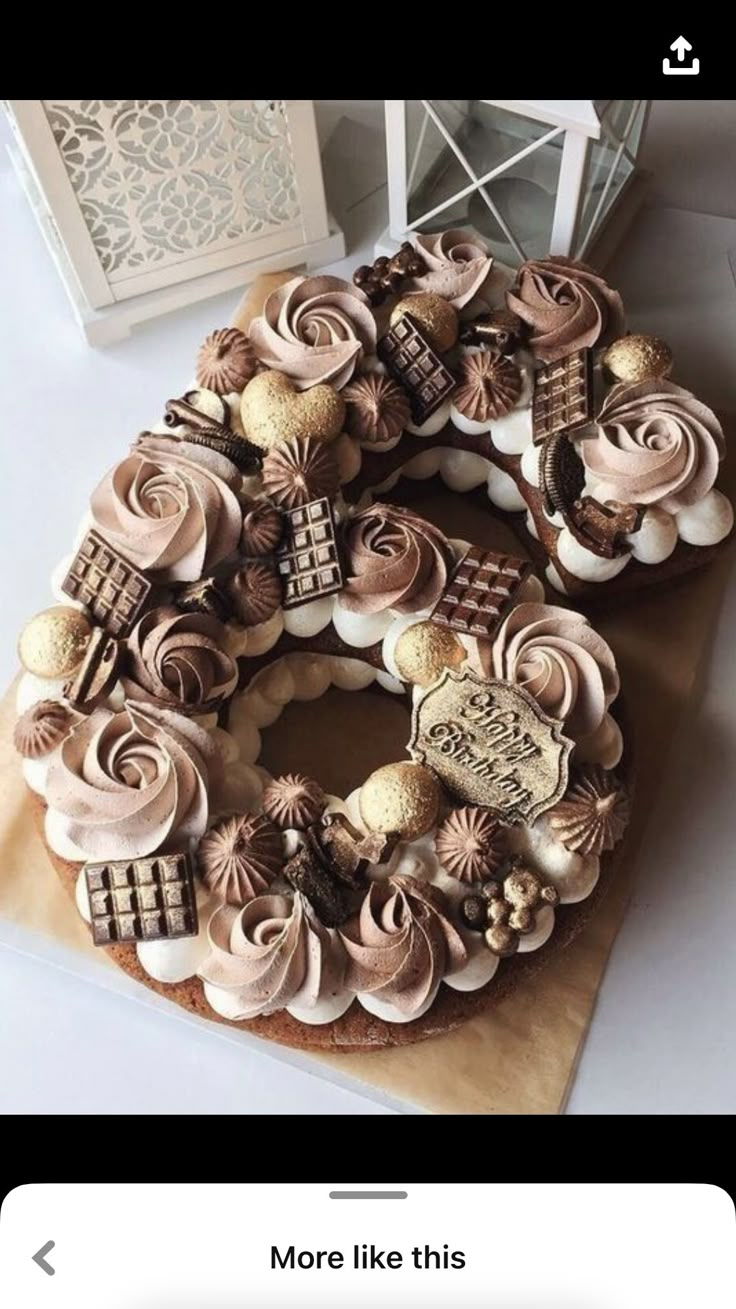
38,1258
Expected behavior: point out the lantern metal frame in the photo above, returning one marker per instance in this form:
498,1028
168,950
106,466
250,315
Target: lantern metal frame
578,122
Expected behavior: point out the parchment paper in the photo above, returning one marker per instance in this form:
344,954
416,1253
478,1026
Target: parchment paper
520,1056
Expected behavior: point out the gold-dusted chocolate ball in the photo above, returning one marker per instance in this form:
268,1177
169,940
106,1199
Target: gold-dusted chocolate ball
272,411
501,940
54,642
436,317
424,650
638,358
403,798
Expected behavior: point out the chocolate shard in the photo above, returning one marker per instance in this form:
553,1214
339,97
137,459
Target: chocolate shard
308,559
497,330
599,527
346,851
204,597
480,592
112,589
412,363
307,873
561,473
563,395
148,899
96,675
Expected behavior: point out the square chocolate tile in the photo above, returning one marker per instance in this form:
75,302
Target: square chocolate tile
142,899
563,395
308,558
113,590
412,363
480,592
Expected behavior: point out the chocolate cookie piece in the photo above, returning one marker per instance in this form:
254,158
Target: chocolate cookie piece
96,675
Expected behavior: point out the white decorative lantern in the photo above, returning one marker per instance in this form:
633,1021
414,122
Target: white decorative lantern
147,205
532,177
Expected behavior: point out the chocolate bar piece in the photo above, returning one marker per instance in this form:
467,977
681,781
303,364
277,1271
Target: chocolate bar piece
308,559
479,592
141,899
563,395
111,588
97,673
328,897
412,363
599,527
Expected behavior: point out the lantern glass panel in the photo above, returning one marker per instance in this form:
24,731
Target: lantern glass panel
442,191
610,166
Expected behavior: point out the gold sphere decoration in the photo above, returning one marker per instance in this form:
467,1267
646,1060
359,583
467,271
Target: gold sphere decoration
53,643
436,317
403,798
638,358
501,940
271,410
424,650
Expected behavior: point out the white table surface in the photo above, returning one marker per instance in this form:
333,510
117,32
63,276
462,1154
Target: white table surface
660,1039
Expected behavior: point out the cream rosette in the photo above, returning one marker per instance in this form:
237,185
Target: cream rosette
655,445
401,944
170,508
457,266
396,560
566,305
273,954
127,784
178,661
315,329
560,659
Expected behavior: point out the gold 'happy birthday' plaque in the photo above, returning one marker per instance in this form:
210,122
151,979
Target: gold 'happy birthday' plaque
490,744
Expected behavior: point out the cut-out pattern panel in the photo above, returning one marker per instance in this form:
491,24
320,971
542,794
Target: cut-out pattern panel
162,181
